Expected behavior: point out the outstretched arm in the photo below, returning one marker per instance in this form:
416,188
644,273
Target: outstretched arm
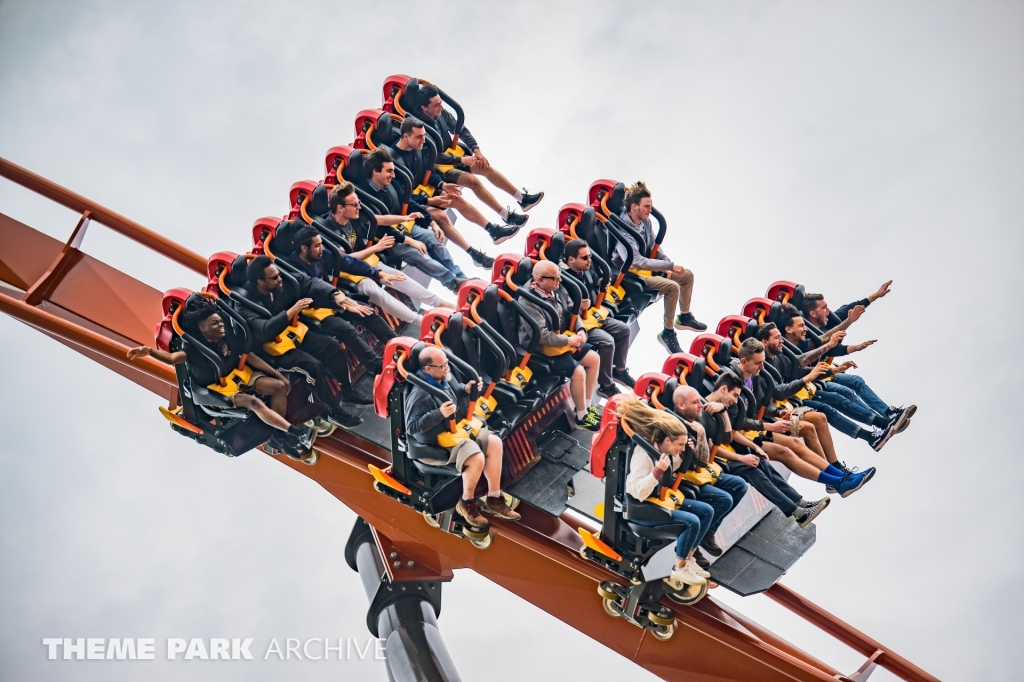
167,358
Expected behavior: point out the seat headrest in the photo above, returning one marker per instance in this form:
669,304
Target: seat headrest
384,132
412,363
318,201
410,95
236,277
488,305
452,336
670,390
617,199
556,249
284,238
353,170
585,227
523,273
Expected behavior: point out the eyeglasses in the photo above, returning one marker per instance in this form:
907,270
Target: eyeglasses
557,278
442,366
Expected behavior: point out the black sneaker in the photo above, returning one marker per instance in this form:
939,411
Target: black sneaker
688,321
530,200
343,419
910,411
501,233
590,421
480,259
622,376
457,284
353,397
668,339
709,544
845,469
516,219
804,515
608,391
702,560
880,437
307,437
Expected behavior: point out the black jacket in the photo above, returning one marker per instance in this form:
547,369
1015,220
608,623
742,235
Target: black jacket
200,370
388,196
445,127
412,160
590,281
792,373
743,415
265,328
423,418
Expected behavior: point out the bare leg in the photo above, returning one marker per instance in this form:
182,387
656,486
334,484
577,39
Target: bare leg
278,392
801,451
576,387
471,475
810,437
497,179
591,363
791,461
469,211
820,423
492,467
453,235
482,193
262,411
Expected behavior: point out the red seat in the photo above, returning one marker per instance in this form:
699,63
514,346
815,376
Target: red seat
605,437
385,381
537,240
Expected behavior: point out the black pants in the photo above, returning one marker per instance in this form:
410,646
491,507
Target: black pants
612,345
318,356
769,482
340,327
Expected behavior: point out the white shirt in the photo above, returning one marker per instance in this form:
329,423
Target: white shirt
640,481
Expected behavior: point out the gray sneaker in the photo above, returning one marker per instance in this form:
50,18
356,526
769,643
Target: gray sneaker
804,515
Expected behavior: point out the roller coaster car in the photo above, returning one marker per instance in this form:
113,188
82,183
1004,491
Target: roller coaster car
207,414
787,292
400,95
538,241
374,127
716,351
737,328
643,555
691,369
608,198
762,310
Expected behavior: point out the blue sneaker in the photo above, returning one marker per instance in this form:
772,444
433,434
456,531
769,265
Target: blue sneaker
851,483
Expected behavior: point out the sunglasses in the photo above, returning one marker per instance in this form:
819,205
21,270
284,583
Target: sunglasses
556,278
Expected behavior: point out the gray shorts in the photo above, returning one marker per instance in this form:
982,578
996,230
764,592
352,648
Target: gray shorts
452,175
463,450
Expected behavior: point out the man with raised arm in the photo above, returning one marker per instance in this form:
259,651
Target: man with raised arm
612,339
430,109
202,316
676,282
426,417
341,223
580,363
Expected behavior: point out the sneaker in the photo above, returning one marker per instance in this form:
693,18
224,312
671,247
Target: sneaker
688,321
805,515
340,417
879,437
501,233
353,397
530,200
622,376
596,411
903,426
307,437
608,391
850,484
668,339
696,568
702,562
709,544
470,511
457,284
679,578
845,469
910,411
516,219
480,259
590,422
497,506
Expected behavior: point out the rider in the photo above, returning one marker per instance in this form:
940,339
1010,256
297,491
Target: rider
426,417
431,110
266,381
756,471
309,252
677,283
433,258
582,364
317,353
612,338
341,220
816,310
647,475
408,152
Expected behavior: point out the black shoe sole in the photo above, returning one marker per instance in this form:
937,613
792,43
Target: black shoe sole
711,552
527,207
515,222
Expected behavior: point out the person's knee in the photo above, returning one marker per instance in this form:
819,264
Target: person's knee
591,360
278,387
474,463
244,401
469,180
494,446
579,374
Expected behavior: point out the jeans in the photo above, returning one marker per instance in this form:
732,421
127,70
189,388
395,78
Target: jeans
723,497
847,402
863,392
696,518
437,250
769,482
834,417
437,264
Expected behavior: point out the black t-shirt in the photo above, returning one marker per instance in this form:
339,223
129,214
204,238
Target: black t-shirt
200,369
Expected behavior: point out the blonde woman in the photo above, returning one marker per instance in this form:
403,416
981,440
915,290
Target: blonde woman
646,476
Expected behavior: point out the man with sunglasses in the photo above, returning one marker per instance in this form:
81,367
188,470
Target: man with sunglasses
581,363
426,417
612,338
318,354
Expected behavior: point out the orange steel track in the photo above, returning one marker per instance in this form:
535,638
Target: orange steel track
101,312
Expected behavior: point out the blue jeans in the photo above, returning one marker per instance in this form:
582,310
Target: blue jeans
696,518
847,402
834,417
723,497
863,391
437,250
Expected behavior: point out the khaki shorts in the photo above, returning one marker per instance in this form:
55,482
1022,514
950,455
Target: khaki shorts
463,450
452,175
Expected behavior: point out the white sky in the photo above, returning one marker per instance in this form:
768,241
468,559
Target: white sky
838,145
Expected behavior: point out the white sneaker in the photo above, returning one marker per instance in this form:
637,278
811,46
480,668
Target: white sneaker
681,577
694,567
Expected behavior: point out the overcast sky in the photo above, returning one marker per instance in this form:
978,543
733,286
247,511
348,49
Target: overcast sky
834,144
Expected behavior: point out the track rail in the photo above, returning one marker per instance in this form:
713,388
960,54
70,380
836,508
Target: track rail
536,558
